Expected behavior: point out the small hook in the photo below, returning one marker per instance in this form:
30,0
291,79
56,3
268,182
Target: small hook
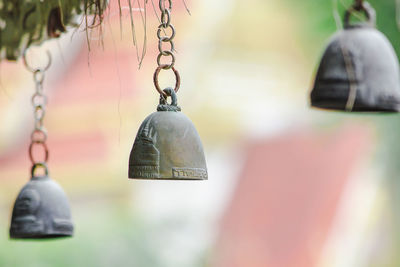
358,5
36,69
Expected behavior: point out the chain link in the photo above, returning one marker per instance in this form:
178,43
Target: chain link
39,134
165,34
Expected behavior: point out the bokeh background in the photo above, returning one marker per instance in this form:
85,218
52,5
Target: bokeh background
288,185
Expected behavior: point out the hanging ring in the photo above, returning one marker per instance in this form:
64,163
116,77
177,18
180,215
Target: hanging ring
38,76
162,5
157,85
39,100
166,38
165,54
39,135
43,145
165,18
368,10
34,70
39,164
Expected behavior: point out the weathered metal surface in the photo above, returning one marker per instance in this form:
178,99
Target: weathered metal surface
41,210
167,146
359,70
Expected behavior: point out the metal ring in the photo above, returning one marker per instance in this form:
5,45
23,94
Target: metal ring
166,38
44,146
39,164
36,69
39,135
164,23
368,10
166,66
39,112
162,7
38,124
38,76
156,84
38,100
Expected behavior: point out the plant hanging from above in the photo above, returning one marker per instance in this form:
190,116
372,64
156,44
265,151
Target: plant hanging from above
28,22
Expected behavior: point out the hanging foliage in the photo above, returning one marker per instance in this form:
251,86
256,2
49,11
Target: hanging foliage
27,22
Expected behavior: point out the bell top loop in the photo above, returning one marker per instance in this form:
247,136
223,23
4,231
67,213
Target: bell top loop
361,6
164,106
39,164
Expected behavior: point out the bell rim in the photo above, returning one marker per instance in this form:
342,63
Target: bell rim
169,179
357,108
43,236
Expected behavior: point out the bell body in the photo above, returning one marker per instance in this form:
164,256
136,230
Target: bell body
358,58
167,146
41,210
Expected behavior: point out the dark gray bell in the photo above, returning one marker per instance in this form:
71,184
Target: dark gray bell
167,146
41,211
359,70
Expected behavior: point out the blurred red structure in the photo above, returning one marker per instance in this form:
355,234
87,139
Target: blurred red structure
287,197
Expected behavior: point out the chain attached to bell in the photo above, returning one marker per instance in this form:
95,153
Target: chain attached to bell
167,145
359,71
41,209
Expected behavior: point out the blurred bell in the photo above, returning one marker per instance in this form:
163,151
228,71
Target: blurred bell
359,70
41,210
167,146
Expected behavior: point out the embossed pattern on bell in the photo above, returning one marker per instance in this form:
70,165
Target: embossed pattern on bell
359,71
167,146
41,210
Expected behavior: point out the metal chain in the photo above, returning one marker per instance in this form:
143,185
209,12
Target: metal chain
165,27
39,134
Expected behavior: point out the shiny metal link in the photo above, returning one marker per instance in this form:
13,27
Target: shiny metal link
160,45
38,76
45,152
39,135
162,6
166,38
165,18
166,66
38,99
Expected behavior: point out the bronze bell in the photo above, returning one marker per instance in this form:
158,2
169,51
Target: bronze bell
167,146
41,210
359,70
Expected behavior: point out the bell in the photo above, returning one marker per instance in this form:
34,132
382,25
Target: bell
359,70
167,146
41,210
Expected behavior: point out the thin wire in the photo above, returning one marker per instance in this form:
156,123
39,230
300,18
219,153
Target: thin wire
120,18
186,7
336,15
398,14
144,22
